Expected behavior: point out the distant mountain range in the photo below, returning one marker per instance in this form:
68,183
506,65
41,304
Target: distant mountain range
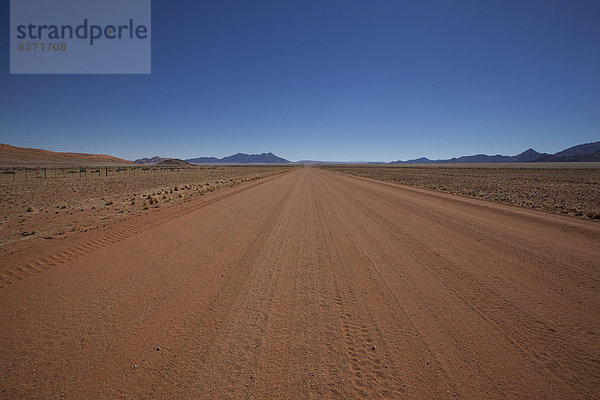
583,152
15,156
239,158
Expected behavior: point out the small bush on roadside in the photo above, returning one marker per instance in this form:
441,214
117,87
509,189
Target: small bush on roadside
593,214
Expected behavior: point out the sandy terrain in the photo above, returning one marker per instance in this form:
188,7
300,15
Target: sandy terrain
563,188
309,284
68,200
13,156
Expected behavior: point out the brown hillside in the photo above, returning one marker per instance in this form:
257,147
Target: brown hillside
19,156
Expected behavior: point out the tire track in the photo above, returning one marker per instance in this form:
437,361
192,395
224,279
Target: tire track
315,285
187,333
116,235
411,341
368,359
234,372
488,303
463,221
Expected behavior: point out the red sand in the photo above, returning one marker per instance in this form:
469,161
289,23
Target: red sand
12,155
309,284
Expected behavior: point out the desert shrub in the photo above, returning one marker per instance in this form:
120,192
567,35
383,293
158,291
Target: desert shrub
593,214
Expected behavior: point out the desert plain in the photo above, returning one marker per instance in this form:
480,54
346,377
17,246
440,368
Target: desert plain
302,282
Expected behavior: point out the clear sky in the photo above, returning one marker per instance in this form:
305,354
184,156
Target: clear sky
329,80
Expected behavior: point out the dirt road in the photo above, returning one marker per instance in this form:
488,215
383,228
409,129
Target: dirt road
311,284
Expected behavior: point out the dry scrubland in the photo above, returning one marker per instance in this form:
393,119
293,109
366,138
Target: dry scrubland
72,200
565,188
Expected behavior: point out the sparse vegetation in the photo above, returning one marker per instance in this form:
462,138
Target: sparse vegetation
593,214
573,191
93,198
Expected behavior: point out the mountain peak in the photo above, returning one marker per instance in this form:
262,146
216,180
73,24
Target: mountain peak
582,152
241,158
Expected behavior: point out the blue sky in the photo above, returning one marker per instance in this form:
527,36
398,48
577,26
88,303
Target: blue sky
329,80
